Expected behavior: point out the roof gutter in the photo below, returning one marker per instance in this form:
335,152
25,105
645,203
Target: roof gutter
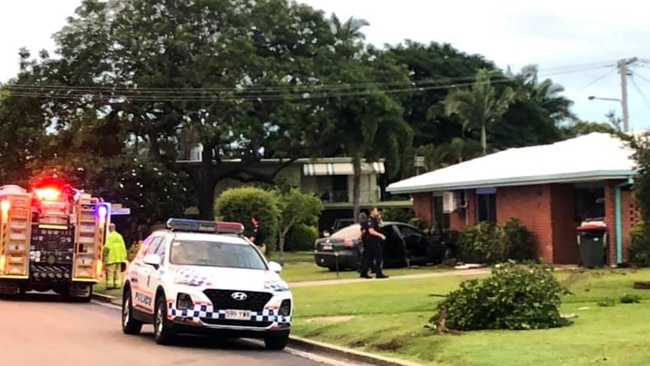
514,181
619,218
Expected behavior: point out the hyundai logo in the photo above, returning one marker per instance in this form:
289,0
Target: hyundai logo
239,296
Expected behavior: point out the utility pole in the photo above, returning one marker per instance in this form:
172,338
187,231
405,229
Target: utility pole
622,67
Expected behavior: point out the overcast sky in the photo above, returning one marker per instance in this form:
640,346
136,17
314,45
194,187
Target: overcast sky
572,41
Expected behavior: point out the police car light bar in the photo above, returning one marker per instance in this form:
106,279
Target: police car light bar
220,227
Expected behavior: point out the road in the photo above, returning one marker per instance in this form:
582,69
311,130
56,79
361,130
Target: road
43,330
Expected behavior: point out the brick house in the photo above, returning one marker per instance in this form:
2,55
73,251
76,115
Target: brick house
550,188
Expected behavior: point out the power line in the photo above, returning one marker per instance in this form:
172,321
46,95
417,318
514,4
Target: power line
207,95
296,88
598,79
636,86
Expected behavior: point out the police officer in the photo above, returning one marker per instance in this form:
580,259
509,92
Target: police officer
365,258
259,235
373,247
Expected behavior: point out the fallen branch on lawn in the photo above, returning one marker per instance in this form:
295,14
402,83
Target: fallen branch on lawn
440,327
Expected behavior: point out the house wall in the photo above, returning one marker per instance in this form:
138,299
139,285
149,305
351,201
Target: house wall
423,206
532,206
548,211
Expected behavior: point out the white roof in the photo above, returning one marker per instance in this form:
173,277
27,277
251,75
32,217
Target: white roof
595,156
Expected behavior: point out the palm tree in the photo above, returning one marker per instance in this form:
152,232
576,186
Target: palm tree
545,94
479,106
372,127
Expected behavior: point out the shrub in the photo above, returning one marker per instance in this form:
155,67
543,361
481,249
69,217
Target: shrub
519,241
396,214
483,243
514,297
489,243
639,252
301,237
241,203
630,299
419,222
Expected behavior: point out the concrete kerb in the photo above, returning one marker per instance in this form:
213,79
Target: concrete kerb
346,353
307,345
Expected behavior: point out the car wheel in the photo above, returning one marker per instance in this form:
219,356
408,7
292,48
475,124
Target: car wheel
129,324
162,332
276,342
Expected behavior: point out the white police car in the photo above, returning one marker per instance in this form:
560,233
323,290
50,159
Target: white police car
202,277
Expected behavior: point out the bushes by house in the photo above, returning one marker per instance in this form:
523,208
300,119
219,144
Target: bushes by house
301,237
488,243
639,252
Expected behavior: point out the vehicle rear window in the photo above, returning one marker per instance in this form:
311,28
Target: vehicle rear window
350,232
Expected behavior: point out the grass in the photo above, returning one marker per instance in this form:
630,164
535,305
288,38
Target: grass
101,288
300,267
389,318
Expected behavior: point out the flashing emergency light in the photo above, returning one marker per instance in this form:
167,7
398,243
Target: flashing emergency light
47,194
102,213
4,206
219,227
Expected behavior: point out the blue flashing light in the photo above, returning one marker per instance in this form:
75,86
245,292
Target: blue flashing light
219,227
102,212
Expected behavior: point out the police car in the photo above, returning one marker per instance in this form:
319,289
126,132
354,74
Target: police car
205,277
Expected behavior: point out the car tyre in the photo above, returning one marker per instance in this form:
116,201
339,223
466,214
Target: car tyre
276,342
162,331
129,324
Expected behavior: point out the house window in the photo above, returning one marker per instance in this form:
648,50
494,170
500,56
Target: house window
486,205
333,188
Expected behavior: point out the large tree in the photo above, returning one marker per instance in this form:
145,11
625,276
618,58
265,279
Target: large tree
240,74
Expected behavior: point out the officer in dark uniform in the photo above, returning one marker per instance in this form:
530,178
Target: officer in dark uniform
259,235
365,259
373,247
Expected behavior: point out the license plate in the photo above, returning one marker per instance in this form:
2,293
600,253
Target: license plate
327,246
238,315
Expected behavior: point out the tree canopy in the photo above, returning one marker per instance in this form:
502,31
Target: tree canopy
133,80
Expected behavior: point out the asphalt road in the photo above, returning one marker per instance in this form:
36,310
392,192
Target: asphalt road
43,330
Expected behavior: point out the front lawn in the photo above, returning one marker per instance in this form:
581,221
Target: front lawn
389,318
300,267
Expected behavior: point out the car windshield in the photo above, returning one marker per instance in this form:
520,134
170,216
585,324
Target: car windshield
215,254
350,232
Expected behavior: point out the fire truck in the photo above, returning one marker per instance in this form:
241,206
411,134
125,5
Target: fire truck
51,239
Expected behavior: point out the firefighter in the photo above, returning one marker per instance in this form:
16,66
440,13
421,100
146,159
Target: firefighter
115,257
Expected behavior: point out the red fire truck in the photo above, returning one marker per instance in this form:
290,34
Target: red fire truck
51,239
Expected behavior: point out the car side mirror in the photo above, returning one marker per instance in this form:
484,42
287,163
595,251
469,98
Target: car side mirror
326,233
275,267
152,260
